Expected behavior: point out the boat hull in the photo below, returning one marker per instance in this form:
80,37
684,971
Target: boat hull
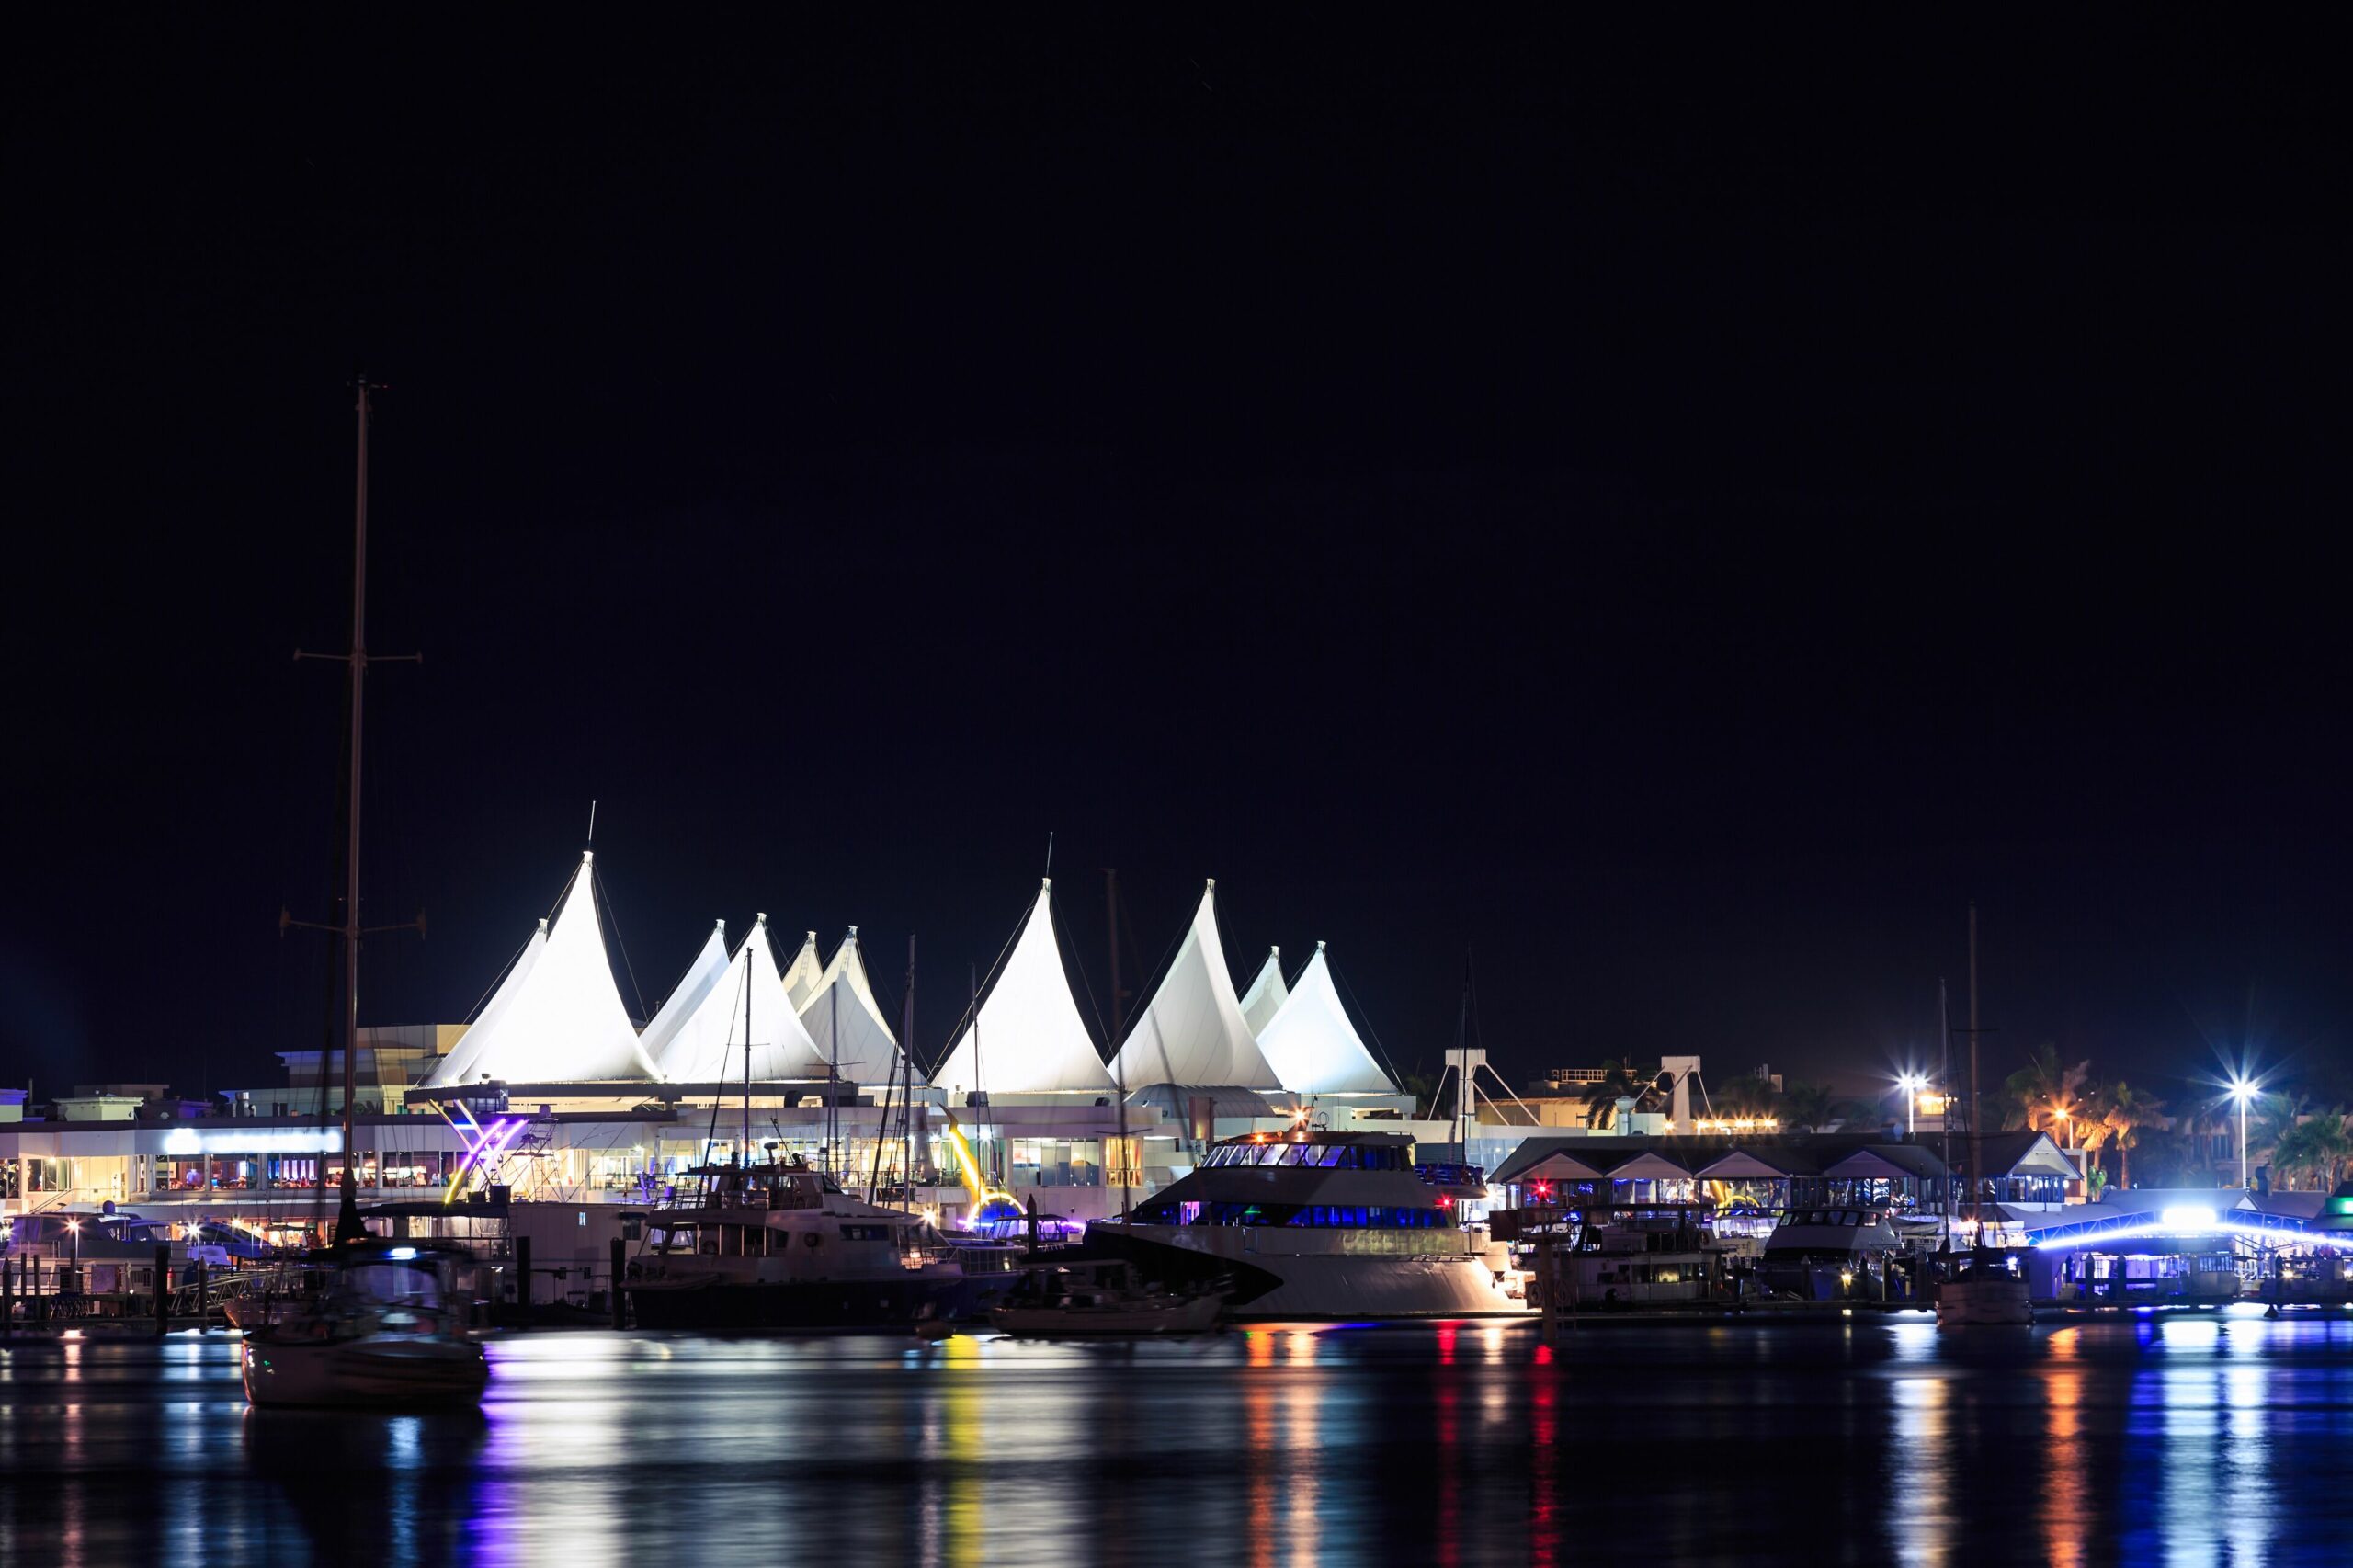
745,1305
376,1374
1196,1315
1983,1303
1273,1284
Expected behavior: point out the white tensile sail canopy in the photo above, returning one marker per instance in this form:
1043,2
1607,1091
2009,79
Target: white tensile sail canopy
1192,1032
1028,1037
693,989
707,1045
458,1067
805,973
557,1018
845,1024
1313,1046
1266,993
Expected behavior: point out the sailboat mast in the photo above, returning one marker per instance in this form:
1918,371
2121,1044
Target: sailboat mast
1944,1086
347,1226
907,1066
834,1065
1122,1173
744,1149
1976,1138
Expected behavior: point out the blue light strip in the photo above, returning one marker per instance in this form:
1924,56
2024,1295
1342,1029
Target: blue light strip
2137,1227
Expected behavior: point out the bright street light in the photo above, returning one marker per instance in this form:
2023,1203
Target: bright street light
1912,1083
2244,1089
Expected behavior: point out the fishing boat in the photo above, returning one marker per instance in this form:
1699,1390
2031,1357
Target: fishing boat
1102,1300
372,1324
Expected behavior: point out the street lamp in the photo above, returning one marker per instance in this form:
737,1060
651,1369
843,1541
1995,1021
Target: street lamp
1912,1083
2244,1090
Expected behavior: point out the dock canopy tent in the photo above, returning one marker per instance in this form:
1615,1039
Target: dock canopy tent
844,1022
709,969
1313,1046
559,1017
805,973
1266,994
1192,1032
1027,1037
707,1046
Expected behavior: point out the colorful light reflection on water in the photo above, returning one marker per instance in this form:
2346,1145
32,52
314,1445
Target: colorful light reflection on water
2205,1439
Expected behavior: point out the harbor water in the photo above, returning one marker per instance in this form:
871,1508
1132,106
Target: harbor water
2197,1438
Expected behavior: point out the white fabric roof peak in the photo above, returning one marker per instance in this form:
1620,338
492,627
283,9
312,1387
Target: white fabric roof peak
708,971
845,1024
1312,1045
1266,993
707,1045
1028,1037
558,1018
1192,1032
804,974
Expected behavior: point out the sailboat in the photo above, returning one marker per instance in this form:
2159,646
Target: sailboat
1985,1290
365,1321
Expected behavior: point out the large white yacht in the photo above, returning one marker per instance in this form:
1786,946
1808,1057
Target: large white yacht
1312,1223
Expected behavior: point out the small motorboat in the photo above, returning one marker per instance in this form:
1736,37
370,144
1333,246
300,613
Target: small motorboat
376,1322
1984,1293
1101,1299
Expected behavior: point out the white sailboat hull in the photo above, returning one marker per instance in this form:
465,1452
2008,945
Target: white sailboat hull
387,1370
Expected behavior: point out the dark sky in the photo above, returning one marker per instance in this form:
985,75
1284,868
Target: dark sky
1680,512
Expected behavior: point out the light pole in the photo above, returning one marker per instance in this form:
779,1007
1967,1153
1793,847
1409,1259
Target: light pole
2242,1090
1911,1083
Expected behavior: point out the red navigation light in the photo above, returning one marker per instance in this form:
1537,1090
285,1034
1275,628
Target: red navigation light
1445,1200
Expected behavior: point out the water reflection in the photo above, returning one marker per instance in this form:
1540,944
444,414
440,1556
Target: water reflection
1291,1445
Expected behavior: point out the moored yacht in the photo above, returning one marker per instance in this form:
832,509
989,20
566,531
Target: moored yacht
1313,1223
782,1246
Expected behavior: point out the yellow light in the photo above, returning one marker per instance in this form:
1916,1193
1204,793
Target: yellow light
1846,1277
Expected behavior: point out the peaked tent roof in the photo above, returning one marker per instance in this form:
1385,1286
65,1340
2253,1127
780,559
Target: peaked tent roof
707,1047
1313,1046
564,1021
845,1023
1192,1030
709,969
805,973
1027,1037
458,1067
1266,993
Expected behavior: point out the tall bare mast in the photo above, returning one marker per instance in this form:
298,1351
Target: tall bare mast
1121,1172
1976,1139
347,1225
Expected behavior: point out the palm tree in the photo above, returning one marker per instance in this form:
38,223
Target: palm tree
1811,1105
2127,1112
1619,1080
2044,1090
2321,1148
1747,1094
2275,1116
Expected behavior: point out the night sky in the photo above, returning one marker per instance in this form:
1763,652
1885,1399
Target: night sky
1677,513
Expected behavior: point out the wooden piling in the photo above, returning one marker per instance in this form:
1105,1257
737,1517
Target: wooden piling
163,1291
619,1298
